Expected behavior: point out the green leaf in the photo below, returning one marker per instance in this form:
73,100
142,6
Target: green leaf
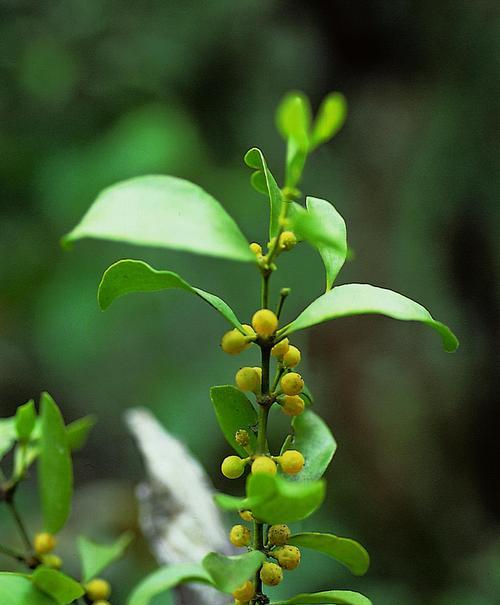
60,587
126,276
333,254
8,435
78,431
95,557
263,181
18,589
329,119
165,212
166,578
344,550
55,468
337,597
273,499
25,420
361,299
312,437
234,411
293,117
229,573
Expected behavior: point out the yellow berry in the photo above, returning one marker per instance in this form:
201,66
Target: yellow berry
278,534
256,248
264,465
101,603
242,438
292,383
248,379
244,593
246,515
292,405
265,323
98,589
280,349
287,240
44,543
234,342
232,467
292,357
52,561
292,462
288,556
271,574
239,536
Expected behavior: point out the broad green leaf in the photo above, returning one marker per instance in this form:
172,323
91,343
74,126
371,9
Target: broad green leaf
333,256
165,212
78,431
126,276
293,117
344,550
57,585
164,579
95,557
25,420
263,181
229,573
312,437
329,119
234,411
326,235
18,589
8,435
273,499
55,468
337,597
361,299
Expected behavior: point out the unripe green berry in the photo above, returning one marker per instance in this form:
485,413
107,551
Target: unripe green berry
248,379
52,561
280,348
44,543
292,357
245,592
288,556
265,323
98,589
233,467
292,405
240,536
246,515
271,574
242,438
264,465
291,462
278,534
292,383
256,248
288,240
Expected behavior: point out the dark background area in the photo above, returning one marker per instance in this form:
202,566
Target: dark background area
93,92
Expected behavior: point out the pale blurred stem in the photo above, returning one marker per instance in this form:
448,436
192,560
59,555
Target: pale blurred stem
8,552
20,524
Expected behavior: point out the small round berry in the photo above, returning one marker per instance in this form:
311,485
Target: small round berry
98,589
259,373
52,561
247,379
291,462
242,437
278,534
292,357
232,467
292,405
246,515
44,543
240,536
288,556
288,240
264,465
245,592
256,248
265,323
234,342
271,574
292,383
280,348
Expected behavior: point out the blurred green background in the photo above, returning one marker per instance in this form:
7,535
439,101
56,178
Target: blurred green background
96,91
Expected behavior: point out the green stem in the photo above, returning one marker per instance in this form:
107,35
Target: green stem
264,299
283,294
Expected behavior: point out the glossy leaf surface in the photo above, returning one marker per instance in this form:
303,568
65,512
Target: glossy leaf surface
25,420
95,557
234,411
229,573
57,585
329,119
18,589
336,597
